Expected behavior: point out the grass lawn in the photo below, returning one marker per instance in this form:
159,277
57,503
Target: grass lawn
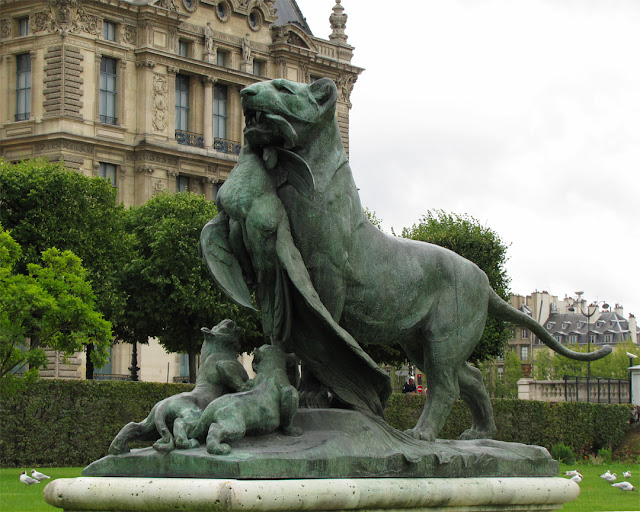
16,497
595,493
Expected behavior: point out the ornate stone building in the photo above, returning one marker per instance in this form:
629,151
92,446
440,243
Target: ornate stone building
145,93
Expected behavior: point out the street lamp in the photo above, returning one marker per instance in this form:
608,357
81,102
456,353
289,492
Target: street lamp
591,311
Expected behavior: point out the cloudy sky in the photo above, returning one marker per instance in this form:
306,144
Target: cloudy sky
525,115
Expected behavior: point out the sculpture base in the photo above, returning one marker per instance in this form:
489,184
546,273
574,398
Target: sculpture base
411,494
336,443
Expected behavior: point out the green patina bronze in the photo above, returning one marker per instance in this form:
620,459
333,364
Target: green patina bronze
219,373
293,229
270,403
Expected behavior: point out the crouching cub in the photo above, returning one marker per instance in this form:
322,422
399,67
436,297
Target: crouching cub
219,373
271,403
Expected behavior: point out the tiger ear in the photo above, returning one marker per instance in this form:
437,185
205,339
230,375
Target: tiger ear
325,92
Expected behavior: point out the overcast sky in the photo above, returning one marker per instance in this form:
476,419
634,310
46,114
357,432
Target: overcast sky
525,115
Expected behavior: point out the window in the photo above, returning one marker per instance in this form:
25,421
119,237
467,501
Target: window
221,59
558,337
23,27
257,67
182,184
220,111
573,338
23,86
524,353
500,373
107,369
109,30
525,333
182,102
608,338
108,90
183,48
592,338
108,172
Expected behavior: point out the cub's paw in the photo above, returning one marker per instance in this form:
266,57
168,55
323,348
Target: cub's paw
422,435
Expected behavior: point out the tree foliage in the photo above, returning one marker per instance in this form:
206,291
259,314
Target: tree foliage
45,205
465,236
171,294
53,305
613,366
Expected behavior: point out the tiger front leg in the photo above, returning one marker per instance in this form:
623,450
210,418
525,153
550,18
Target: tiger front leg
288,410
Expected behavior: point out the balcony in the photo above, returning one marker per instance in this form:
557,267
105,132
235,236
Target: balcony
23,116
108,120
226,146
189,138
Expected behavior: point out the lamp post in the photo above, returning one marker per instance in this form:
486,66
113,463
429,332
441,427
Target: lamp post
592,309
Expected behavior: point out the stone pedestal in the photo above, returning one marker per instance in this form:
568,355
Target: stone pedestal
364,494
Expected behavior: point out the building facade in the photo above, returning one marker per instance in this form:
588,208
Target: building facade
146,93
570,320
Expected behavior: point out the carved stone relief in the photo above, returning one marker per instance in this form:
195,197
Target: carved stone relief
160,102
345,86
129,34
5,29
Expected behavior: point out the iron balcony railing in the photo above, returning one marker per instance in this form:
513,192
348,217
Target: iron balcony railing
108,120
23,117
189,138
110,376
226,146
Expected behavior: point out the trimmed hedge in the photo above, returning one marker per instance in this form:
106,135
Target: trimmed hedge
584,427
71,423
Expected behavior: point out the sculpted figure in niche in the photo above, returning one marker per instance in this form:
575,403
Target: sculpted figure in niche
333,278
174,417
208,38
246,48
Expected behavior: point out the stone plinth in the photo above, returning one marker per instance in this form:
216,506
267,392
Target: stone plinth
365,494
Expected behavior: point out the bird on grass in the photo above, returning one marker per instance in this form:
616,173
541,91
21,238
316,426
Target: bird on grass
38,476
573,472
624,486
611,477
605,474
27,480
576,478
626,474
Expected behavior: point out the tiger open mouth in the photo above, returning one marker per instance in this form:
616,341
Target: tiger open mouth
264,128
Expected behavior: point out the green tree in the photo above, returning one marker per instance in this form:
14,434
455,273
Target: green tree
542,363
45,205
171,294
616,364
52,305
561,365
465,236
512,373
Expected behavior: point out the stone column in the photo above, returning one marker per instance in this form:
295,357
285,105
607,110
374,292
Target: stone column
208,111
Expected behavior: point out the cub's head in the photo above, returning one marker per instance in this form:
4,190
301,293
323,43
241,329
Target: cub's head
224,337
287,114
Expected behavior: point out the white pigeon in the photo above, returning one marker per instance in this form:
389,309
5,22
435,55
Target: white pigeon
576,478
605,474
571,473
27,480
626,474
38,476
610,478
624,486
